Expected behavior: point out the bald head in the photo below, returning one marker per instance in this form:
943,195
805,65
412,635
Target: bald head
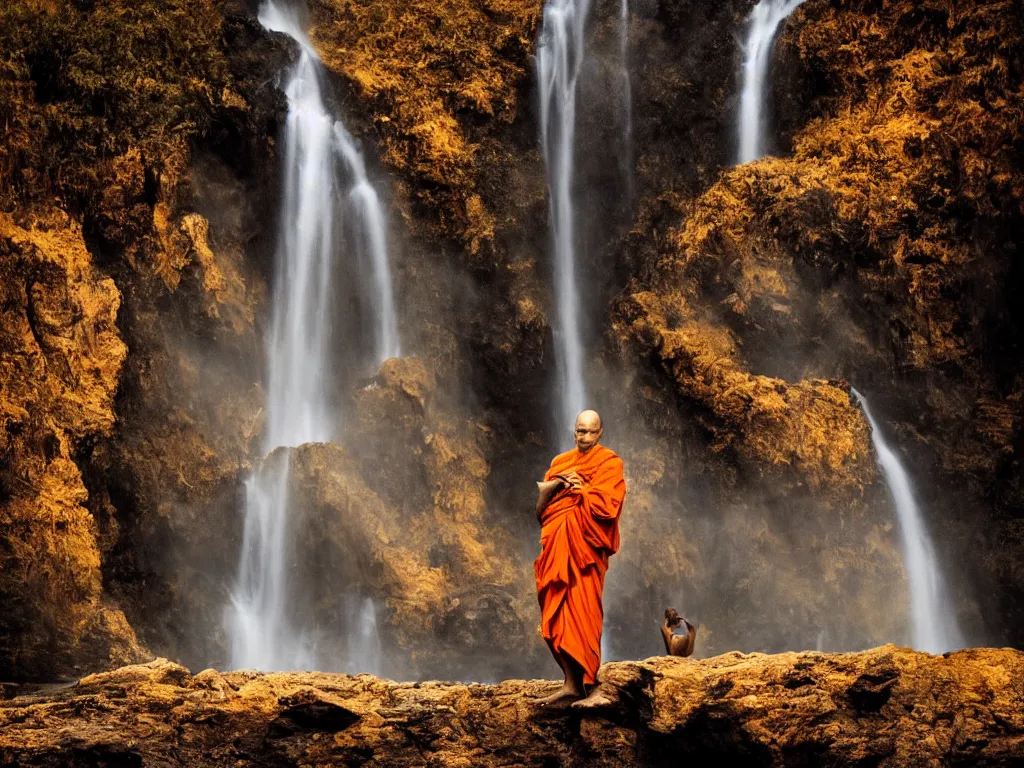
588,430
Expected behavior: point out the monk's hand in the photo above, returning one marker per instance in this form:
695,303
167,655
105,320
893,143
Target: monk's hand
573,480
546,490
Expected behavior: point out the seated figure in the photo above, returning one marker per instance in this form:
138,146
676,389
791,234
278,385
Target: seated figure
677,644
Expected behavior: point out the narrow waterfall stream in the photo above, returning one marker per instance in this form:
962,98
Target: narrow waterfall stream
559,60
371,239
627,102
330,213
934,624
560,55
764,23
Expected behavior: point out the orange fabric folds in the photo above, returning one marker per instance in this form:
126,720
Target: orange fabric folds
579,530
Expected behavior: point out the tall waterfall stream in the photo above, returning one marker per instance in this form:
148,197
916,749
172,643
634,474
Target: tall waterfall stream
330,213
560,53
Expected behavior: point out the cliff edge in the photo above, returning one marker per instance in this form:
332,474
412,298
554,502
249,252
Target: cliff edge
884,707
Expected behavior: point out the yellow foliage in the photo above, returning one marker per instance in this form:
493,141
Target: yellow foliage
430,70
914,133
82,84
61,356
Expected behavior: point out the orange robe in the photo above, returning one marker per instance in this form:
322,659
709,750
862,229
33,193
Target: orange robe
579,530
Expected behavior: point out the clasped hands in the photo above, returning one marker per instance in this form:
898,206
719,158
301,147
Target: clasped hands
565,480
547,489
570,479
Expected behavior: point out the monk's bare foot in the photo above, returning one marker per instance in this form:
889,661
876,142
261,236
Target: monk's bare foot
563,693
597,699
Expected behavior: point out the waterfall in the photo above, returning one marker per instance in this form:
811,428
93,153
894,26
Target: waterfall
933,624
764,22
330,211
371,234
262,636
627,101
364,649
559,60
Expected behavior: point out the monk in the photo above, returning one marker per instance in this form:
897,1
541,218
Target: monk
578,506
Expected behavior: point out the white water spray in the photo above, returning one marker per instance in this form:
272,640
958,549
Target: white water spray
764,23
371,236
934,625
364,648
627,99
320,205
262,637
559,60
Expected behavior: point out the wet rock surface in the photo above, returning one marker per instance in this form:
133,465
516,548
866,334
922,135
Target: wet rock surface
886,707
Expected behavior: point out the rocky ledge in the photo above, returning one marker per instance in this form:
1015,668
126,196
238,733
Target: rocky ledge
884,707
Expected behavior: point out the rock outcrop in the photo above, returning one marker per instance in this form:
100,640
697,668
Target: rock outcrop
62,356
888,707
428,463
880,253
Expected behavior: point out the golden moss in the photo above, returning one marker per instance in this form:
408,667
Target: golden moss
80,88
430,71
922,125
62,356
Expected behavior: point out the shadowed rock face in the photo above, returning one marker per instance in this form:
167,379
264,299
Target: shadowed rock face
887,707
878,253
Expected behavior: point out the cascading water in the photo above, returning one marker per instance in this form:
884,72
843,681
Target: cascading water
559,60
764,23
371,235
934,627
627,99
314,228
262,637
364,650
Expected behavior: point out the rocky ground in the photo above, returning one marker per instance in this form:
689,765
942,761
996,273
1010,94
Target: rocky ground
885,707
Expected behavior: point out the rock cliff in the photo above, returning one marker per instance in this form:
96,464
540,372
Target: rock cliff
130,209
877,253
62,359
887,707
728,312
